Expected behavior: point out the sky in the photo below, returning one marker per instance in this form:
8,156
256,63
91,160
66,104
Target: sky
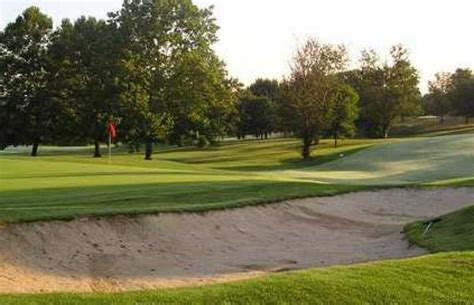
258,37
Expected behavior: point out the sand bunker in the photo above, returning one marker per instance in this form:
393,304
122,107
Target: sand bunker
169,250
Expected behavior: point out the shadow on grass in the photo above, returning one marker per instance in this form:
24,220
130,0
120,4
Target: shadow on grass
111,174
72,202
297,163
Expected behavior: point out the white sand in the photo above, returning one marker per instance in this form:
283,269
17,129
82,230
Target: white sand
170,250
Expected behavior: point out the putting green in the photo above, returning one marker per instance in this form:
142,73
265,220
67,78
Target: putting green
418,160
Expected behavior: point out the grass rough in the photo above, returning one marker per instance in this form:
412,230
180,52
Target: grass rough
445,278
455,232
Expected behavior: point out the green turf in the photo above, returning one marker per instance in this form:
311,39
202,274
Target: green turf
422,160
430,126
64,185
436,279
61,184
455,232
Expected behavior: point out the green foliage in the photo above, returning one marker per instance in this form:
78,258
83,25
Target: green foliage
387,92
171,80
451,94
255,115
344,112
26,111
436,279
150,66
259,109
453,233
308,88
202,97
271,90
84,59
437,102
462,93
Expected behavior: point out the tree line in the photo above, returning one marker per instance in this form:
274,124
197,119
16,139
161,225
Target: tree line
150,68
321,97
451,94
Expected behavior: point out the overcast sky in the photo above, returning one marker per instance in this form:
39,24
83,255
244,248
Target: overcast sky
258,37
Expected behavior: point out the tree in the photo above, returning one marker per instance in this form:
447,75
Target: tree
462,93
201,97
308,88
344,112
254,115
270,89
26,109
437,100
388,92
157,37
84,55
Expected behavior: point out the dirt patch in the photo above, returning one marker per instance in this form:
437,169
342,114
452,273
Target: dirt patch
170,250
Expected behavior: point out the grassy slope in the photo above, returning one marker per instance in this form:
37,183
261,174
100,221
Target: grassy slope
418,160
431,126
70,184
436,279
65,185
455,232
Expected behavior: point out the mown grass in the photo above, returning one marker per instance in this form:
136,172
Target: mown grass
445,278
64,185
455,232
413,161
72,184
67,184
69,203
431,126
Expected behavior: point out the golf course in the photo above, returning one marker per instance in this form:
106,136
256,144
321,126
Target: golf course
62,185
237,211
236,152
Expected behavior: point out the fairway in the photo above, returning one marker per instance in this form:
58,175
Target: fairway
68,184
348,220
410,161
235,152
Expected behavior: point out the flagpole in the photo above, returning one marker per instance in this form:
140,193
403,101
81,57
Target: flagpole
110,148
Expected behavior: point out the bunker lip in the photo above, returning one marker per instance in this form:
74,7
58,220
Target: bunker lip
171,250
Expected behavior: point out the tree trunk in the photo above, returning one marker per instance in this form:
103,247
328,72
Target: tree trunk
467,119
385,131
316,140
97,149
34,150
441,119
335,140
306,153
148,150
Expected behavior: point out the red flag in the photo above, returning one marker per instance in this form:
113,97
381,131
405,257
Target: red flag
112,130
